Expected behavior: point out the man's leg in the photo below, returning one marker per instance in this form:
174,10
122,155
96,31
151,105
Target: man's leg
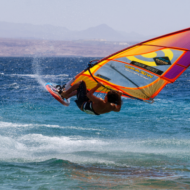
71,91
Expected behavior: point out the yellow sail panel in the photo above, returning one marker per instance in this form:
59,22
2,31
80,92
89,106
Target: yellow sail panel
148,59
146,92
136,50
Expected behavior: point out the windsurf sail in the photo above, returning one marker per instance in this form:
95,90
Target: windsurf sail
143,70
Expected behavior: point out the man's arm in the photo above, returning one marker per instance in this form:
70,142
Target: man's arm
92,97
116,108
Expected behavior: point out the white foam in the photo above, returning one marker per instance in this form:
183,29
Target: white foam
82,149
43,147
14,85
40,147
20,125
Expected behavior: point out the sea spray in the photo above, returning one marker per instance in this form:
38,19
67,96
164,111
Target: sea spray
37,71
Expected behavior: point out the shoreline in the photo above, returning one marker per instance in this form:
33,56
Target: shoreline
48,48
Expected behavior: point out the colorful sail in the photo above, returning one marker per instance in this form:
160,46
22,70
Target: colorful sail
143,70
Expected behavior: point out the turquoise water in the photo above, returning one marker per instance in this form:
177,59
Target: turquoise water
44,145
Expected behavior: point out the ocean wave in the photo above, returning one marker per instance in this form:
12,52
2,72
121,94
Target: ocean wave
94,169
30,125
39,147
91,150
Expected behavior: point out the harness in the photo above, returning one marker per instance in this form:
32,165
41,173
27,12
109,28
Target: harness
87,108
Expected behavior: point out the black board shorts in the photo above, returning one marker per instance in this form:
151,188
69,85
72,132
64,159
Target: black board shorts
81,95
83,99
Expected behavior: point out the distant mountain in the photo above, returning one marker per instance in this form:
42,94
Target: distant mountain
101,32
133,36
29,31
49,32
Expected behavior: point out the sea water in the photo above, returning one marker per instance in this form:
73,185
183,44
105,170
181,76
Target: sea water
44,145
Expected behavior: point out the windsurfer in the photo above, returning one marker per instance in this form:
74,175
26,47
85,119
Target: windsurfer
89,103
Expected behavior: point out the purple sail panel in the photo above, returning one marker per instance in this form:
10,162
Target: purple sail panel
179,40
174,72
185,60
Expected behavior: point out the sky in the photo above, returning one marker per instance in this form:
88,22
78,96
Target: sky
146,17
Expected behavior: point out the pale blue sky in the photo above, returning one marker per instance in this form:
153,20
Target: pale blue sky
147,17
